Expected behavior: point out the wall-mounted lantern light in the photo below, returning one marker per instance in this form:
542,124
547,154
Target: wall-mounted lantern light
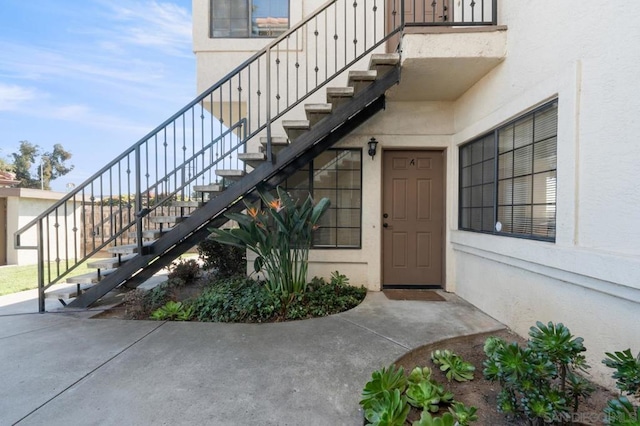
373,143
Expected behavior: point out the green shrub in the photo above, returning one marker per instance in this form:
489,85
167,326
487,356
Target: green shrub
280,236
387,396
540,380
226,260
140,303
620,411
173,311
188,270
242,299
322,299
454,367
236,299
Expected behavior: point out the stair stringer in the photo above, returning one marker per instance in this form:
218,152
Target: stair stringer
189,232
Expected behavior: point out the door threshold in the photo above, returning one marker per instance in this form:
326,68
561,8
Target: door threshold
411,287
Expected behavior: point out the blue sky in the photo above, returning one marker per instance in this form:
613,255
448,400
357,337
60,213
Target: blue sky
92,75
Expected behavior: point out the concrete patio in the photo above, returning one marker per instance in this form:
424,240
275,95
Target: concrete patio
63,368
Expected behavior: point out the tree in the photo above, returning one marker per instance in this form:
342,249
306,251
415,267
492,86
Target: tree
5,166
52,165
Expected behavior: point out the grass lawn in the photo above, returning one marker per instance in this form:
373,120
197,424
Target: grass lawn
18,278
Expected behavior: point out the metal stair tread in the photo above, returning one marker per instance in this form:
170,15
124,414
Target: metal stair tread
128,248
67,291
230,173
185,204
251,156
167,219
275,140
368,75
109,262
295,124
383,59
318,108
212,187
90,277
339,92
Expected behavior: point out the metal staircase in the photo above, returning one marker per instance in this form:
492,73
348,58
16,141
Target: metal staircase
158,198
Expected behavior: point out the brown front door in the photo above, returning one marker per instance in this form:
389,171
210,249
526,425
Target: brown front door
413,218
418,12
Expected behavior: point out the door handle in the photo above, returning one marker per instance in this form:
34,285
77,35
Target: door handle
385,225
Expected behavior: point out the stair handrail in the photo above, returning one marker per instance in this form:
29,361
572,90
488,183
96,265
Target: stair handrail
127,168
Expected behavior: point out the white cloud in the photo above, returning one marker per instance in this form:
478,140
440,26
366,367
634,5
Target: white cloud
153,24
12,96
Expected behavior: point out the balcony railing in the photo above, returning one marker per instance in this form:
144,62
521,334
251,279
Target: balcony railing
450,12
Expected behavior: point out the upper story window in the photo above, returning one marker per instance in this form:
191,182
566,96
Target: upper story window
508,178
249,18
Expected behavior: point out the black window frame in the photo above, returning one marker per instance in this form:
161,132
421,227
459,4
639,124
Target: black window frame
309,170
466,183
249,31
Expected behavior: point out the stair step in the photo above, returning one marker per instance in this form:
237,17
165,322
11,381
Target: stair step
128,248
278,143
254,159
91,277
188,204
110,262
67,292
383,62
151,234
231,174
316,112
361,79
295,128
166,219
338,96
212,188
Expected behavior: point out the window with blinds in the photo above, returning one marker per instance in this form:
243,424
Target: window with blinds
508,178
249,18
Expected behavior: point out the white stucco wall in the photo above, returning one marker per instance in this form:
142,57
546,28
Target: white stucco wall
590,277
24,205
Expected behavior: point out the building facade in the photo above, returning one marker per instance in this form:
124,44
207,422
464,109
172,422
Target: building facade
505,168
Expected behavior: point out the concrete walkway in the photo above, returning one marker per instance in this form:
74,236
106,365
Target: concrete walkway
67,369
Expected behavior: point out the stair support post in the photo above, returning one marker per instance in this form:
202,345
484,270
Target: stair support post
139,208
269,148
40,237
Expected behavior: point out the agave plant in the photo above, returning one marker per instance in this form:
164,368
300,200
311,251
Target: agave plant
463,414
173,311
455,368
390,409
385,379
418,374
627,368
427,395
427,419
539,380
620,411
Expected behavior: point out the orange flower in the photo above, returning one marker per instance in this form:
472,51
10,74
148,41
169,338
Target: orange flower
253,212
276,204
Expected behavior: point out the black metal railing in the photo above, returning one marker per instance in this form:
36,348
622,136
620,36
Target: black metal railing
450,12
206,135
